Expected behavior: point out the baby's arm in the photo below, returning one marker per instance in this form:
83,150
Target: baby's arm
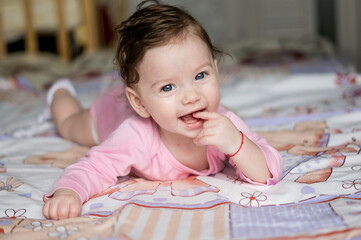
220,131
65,203
100,169
251,161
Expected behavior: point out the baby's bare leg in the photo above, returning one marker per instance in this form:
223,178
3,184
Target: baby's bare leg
72,121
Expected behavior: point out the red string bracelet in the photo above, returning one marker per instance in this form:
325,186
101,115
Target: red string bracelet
238,148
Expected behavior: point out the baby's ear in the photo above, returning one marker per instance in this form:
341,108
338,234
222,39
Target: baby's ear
216,64
136,102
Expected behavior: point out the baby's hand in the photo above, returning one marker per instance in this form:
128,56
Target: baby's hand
219,131
64,204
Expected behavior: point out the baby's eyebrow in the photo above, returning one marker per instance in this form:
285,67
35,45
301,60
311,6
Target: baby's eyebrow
206,64
167,80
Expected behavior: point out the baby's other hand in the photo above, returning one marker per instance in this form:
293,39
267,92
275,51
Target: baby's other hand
65,203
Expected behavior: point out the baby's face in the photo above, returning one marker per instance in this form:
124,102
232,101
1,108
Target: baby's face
177,80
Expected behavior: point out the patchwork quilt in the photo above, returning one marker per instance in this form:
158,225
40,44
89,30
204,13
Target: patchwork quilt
314,120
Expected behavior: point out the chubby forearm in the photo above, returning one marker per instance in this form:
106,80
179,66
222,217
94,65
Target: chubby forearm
86,179
250,158
251,161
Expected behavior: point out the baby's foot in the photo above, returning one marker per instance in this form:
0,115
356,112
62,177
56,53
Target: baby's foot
62,83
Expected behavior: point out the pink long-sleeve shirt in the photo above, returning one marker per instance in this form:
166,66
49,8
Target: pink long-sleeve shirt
135,146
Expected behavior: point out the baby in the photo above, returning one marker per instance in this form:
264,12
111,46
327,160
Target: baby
164,123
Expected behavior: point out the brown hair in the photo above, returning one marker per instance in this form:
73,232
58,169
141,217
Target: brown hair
152,26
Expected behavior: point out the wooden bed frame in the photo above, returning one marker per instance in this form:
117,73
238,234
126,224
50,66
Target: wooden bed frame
62,38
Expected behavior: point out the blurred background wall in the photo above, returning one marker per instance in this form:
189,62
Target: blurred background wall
232,24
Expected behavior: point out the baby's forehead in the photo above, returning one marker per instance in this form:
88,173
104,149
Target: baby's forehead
178,41
175,47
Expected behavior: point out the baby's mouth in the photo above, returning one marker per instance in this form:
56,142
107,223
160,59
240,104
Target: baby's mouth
189,118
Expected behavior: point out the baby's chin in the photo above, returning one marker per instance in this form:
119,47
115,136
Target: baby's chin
190,134
184,133
193,134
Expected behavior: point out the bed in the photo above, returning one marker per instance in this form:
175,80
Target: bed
309,110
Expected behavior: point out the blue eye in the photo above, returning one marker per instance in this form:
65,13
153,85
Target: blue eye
200,76
167,88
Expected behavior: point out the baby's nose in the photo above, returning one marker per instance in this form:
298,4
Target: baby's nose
191,95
